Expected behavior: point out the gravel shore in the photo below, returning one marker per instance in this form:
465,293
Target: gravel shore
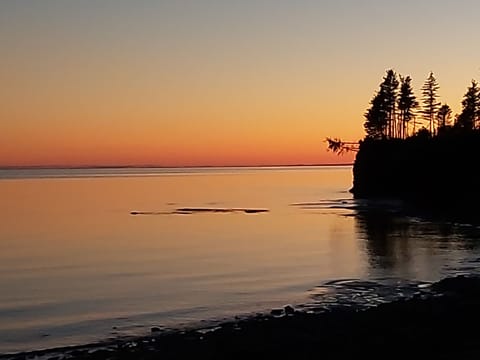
442,325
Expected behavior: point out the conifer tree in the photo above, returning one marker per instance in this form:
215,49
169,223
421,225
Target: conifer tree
429,100
443,116
376,118
389,89
380,117
407,103
470,108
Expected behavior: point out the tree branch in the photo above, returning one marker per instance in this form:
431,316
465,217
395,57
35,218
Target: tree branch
340,147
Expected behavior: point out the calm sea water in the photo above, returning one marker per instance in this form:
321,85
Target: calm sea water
76,266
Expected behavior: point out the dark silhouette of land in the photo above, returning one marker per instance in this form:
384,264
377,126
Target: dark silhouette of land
439,173
419,154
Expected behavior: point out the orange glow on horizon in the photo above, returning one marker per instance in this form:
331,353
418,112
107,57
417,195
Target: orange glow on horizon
118,139
79,154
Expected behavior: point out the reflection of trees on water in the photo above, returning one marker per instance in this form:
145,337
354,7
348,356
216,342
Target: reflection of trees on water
410,246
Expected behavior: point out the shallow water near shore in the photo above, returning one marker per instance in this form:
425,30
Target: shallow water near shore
90,255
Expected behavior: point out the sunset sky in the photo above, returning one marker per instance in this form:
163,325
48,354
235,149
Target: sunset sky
214,82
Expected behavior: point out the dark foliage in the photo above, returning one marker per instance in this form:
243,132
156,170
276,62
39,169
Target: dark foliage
439,171
380,118
429,100
470,108
407,103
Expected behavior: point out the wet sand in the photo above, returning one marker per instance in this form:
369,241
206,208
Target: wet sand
442,325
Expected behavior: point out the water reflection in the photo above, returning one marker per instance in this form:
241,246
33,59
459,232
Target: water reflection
404,246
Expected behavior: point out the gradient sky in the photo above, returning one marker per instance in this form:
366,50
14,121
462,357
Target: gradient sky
214,82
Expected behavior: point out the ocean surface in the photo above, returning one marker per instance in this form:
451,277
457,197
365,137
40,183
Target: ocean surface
96,254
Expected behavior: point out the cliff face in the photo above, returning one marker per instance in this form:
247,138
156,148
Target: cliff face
440,170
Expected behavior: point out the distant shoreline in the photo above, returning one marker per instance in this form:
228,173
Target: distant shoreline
83,167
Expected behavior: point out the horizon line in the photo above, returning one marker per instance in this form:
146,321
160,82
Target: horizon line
152,166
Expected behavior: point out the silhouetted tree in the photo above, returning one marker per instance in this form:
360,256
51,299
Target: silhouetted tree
389,88
380,117
423,133
407,102
376,117
444,115
429,100
470,108
340,147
